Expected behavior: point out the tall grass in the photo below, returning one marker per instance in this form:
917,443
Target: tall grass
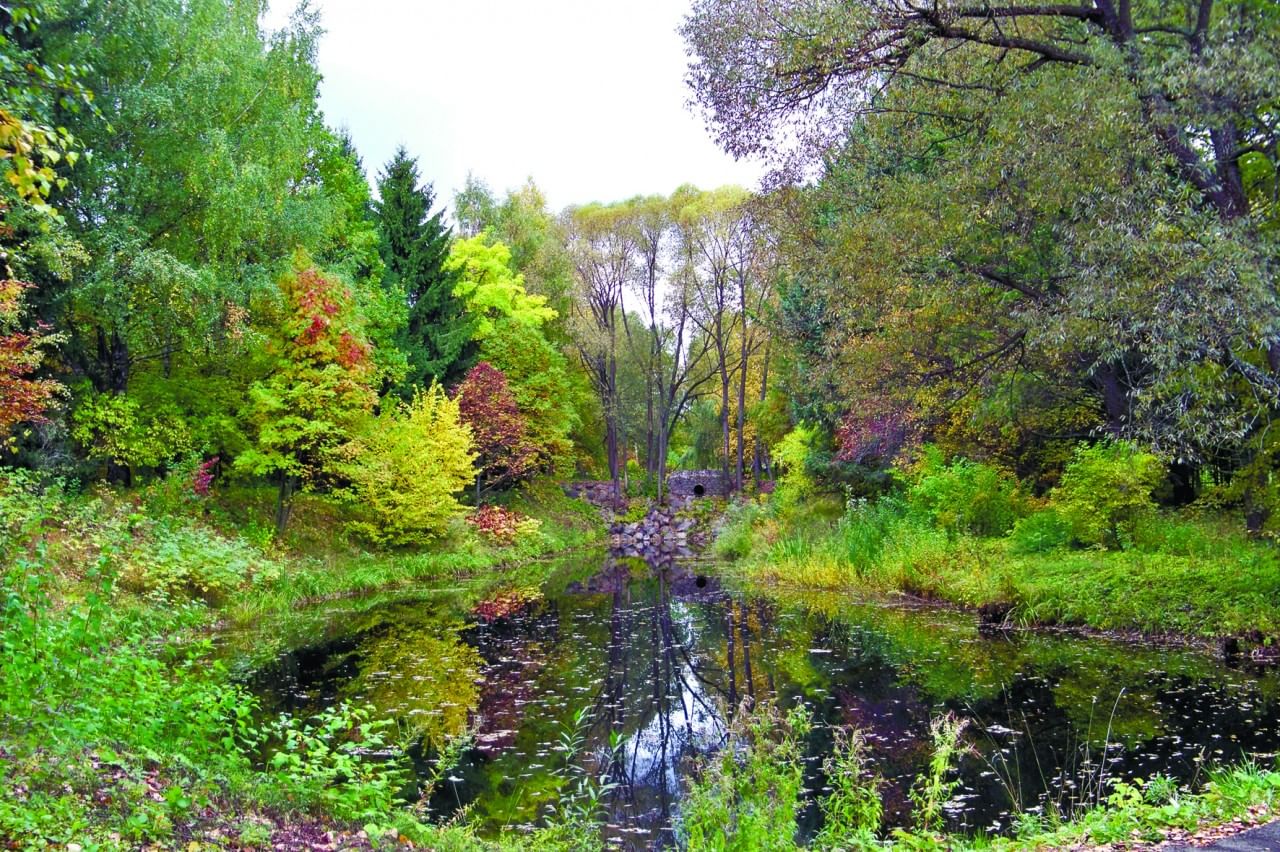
748,796
1186,573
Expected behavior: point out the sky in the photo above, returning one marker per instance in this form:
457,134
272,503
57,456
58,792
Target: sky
585,96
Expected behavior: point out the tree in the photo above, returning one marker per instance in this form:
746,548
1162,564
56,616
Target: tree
1199,71
31,144
415,248
602,253
474,208
544,388
24,398
405,469
490,289
319,389
716,245
1024,211
538,251
505,454
675,367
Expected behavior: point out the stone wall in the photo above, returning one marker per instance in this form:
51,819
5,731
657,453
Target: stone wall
597,493
698,483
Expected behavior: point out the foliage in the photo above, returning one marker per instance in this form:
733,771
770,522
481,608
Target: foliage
935,789
1016,238
791,458
963,495
329,756
24,398
1040,532
1106,492
502,525
852,811
406,468
31,148
490,289
181,560
116,428
415,247
505,454
1183,573
748,795
550,395
321,384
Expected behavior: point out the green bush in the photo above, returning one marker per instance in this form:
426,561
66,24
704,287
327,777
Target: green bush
747,796
406,469
1105,492
865,527
736,533
181,559
1040,532
965,496
790,457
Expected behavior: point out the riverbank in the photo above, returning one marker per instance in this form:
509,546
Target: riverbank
1185,574
119,726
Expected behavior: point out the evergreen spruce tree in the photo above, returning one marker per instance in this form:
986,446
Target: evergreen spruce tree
415,244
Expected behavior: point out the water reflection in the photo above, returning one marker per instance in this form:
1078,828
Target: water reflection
661,657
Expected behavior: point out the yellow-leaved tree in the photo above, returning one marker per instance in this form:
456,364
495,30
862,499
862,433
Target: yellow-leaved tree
406,468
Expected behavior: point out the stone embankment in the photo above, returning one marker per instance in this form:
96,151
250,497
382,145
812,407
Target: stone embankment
660,533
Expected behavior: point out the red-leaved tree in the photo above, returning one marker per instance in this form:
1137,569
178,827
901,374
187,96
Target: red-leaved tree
23,399
499,430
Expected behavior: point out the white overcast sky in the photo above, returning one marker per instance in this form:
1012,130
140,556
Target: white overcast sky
584,96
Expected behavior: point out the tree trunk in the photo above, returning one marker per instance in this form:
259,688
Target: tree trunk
724,412
758,459
284,502
615,465
1114,400
650,437
662,459
742,408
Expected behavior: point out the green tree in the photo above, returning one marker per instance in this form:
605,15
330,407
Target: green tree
543,384
490,288
415,247
1033,221
319,389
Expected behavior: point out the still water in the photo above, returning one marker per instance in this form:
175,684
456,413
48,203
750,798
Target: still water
662,659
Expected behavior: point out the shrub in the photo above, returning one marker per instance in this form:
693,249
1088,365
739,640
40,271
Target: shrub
504,453
405,470
791,457
965,496
501,525
864,528
736,533
1040,532
747,796
184,560
1106,492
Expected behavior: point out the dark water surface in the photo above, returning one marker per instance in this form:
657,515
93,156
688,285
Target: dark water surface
660,660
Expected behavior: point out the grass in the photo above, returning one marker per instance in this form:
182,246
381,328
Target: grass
119,728
1184,574
748,797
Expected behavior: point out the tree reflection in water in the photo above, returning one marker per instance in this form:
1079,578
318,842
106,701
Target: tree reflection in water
664,700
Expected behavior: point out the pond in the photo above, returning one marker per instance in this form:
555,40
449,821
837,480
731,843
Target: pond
660,660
